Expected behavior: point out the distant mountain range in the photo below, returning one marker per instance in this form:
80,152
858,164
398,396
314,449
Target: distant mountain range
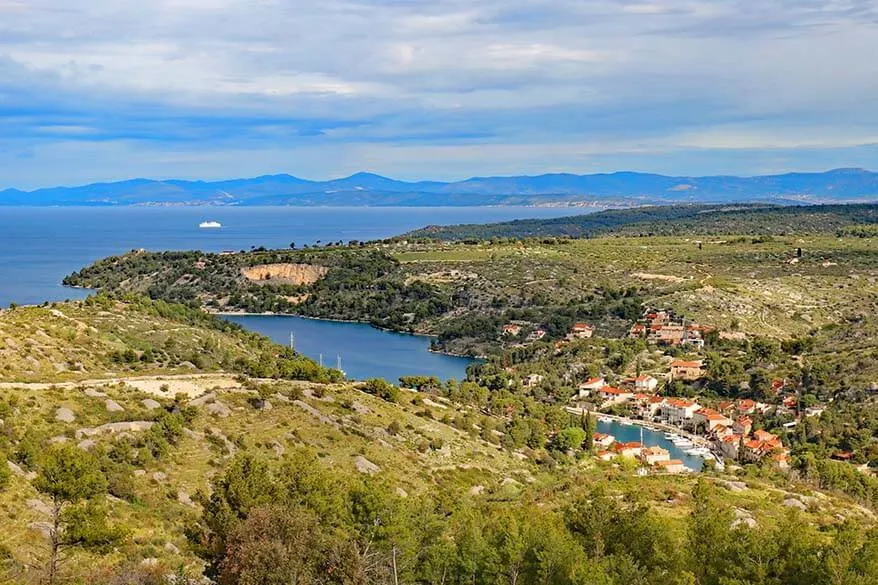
620,189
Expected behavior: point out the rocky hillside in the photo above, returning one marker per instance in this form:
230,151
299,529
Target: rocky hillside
171,473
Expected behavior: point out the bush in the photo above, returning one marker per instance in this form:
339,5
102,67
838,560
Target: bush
382,389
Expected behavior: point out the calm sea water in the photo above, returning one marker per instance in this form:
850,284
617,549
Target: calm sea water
39,246
629,434
365,352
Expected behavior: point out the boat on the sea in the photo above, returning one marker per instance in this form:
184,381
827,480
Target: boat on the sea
626,422
703,452
210,225
683,443
605,420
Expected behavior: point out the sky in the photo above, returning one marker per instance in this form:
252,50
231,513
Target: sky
441,89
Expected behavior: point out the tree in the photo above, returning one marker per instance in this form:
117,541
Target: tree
382,389
276,545
569,438
589,426
70,476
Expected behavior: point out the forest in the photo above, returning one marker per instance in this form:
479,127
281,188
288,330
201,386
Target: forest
750,219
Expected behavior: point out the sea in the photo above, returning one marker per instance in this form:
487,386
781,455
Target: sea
632,433
40,245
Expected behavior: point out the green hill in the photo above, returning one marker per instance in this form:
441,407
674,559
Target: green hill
670,220
196,467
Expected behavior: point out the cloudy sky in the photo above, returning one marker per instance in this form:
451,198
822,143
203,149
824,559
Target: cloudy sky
442,89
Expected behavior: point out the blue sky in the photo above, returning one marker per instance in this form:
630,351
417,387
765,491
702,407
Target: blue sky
441,89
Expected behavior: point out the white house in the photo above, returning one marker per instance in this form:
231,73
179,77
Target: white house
604,440
645,384
679,410
654,455
710,419
611,395
591,385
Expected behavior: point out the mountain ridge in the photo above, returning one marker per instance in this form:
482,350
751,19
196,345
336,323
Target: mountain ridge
621,188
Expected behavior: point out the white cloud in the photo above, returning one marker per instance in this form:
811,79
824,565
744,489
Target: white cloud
402,81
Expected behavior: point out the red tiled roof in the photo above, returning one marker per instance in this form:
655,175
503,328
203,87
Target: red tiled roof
685,364
673,462
623,446
764,435
680,403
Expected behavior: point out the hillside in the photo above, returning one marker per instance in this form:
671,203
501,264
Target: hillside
670,220
258,480
464,292
614,189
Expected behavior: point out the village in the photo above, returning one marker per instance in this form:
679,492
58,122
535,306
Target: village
720,431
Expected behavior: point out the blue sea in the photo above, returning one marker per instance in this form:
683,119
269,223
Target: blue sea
632,433
39,246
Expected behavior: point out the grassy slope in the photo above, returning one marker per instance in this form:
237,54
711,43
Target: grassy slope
338,422
76,341
728,279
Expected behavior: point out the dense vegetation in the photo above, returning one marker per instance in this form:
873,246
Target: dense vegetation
297,522
670,220
367,285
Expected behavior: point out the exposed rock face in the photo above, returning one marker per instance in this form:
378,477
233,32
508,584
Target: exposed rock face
365,466
39,506
219,409
284,273
65,415
202,400
150,404
119,427
86,444
185,499
113,406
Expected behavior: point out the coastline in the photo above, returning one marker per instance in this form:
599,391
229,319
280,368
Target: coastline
352,321
653,426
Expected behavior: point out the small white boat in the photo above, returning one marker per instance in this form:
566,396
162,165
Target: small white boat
626,422
671,436
210,225
605,420
683,443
